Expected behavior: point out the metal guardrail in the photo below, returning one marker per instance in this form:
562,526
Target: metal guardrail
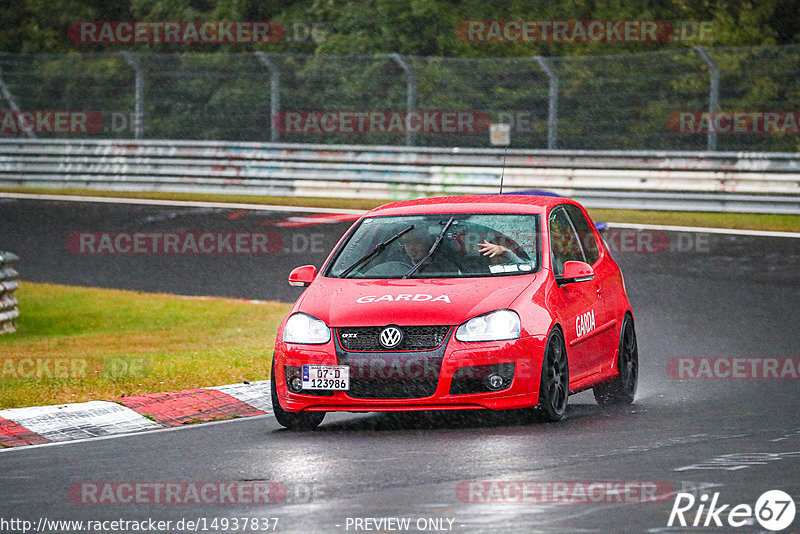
9,282
705,181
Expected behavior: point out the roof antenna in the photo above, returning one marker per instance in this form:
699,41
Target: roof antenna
500,135
503,170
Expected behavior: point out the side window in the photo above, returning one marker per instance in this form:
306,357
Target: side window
584,233
564,244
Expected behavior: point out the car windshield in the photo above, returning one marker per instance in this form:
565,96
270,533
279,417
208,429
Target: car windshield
440,246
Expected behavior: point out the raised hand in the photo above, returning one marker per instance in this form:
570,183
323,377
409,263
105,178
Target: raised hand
490,249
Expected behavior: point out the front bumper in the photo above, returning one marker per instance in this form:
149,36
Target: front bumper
450,374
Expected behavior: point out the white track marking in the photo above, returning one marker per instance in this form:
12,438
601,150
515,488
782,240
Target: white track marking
180,203
700,229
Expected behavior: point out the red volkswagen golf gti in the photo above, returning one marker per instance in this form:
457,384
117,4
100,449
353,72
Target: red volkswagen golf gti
471,302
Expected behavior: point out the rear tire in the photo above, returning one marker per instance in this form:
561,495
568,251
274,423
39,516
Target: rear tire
622,389
554,384
292,420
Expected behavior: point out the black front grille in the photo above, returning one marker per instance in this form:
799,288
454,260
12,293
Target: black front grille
392,389
401,374
366,338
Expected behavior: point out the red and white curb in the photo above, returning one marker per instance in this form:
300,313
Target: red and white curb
66,422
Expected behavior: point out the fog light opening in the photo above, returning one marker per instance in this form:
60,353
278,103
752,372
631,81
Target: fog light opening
296,384
494,382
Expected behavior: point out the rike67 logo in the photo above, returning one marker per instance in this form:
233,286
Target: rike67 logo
774,510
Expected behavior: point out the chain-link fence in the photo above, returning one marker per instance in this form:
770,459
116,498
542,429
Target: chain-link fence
619,102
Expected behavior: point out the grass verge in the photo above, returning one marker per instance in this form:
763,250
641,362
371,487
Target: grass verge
742,221
75,344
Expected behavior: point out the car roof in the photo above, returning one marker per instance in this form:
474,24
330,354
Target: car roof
472,204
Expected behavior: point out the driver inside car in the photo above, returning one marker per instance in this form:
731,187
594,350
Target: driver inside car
417,244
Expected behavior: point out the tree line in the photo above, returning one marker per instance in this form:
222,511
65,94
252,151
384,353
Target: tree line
409,27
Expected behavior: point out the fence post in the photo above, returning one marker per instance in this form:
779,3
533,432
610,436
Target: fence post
274,94
12,102
552,106
713,94
411,90
138,113
9,282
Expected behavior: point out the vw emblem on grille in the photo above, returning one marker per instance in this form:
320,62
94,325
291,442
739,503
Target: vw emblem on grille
390,337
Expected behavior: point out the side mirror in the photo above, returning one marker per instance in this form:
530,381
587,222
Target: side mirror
302,276
575,271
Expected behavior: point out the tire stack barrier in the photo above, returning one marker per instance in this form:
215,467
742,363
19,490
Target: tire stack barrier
9,282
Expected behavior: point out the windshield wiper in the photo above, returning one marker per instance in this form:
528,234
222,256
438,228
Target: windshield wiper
424,261
375,250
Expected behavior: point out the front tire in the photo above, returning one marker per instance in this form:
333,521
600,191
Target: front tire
554,384
622,389
292,420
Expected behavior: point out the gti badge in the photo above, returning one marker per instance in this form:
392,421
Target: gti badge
391,336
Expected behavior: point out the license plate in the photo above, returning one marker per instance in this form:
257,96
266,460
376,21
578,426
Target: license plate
330,377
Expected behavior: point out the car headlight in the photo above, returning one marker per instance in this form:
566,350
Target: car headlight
501,324
303,328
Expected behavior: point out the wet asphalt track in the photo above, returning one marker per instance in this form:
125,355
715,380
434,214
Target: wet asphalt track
714,295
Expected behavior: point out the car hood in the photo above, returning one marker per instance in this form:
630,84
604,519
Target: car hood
352,302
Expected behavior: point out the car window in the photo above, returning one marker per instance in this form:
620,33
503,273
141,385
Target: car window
388,247
564,244
584,233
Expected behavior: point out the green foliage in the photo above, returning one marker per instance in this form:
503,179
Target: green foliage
336,56
411,27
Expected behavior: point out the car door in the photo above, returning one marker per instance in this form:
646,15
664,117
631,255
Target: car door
578,303
604,335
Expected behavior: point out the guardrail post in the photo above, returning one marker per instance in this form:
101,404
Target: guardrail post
138,113
713,96
552,105
12,102
274,94
9,282
411,90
